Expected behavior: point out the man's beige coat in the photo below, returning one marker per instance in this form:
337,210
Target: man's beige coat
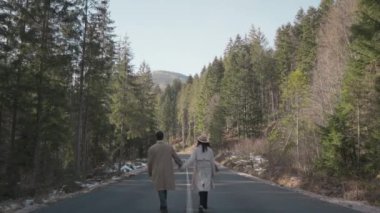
160,165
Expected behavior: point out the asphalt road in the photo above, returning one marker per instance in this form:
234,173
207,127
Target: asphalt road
233,194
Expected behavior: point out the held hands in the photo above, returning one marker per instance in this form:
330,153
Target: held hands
181,167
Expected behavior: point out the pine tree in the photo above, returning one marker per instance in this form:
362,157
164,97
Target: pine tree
11,81
201,100
124,102
100,48
236,67
183,115
306,51
285,50
359,147
215,118
167,110
39,79
193,96
82,66
147,100
244,87
339,154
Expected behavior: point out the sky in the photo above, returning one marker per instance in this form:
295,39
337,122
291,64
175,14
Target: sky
185,35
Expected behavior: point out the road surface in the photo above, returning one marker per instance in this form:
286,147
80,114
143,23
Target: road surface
233,194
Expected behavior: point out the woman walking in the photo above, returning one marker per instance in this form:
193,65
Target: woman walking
204,169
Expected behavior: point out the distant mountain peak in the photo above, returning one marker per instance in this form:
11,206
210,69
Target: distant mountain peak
164,78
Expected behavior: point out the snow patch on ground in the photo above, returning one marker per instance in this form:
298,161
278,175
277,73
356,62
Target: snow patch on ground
31,204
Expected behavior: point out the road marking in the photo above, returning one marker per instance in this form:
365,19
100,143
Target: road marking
189,203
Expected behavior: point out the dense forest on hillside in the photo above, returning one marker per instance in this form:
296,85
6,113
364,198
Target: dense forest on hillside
71,100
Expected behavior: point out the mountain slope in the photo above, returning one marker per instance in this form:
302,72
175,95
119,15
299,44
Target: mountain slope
163,78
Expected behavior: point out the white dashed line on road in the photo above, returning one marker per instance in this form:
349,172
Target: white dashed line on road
189,202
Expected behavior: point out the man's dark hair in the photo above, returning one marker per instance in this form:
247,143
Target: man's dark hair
159,135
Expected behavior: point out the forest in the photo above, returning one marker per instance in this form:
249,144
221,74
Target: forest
72,101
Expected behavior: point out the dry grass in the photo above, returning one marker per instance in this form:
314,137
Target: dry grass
290,181
247,146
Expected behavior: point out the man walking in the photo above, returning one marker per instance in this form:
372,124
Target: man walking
160,168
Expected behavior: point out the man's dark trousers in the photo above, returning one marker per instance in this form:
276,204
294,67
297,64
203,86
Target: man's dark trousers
163,194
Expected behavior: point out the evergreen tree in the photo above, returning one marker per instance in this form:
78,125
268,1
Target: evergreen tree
215,118
358,111
306,51
285,50
100,47
39,77
147,101
237,65
167,110
244,87
339,154
183,115
193,96
124,102
201,101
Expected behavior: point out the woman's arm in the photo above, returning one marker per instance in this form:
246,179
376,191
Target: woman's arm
191,160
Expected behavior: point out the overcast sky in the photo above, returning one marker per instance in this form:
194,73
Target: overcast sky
184,35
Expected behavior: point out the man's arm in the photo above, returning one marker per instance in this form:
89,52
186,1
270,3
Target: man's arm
150,162
177,160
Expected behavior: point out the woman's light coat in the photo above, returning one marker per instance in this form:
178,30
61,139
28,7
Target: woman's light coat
204,168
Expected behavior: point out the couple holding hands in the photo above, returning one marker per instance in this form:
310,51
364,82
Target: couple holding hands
160,169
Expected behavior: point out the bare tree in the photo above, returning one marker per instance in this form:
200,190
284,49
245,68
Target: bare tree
332,57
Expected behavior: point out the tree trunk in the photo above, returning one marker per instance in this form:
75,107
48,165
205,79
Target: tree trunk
262,97
194,133
358,132
11,167
189,132
37,138
85,141
272,105
297,131
78,155
183,133
1,125
37,142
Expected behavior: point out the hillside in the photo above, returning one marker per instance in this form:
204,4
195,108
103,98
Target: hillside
163,78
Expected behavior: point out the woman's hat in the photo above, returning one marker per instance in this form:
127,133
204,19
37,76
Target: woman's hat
203,139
